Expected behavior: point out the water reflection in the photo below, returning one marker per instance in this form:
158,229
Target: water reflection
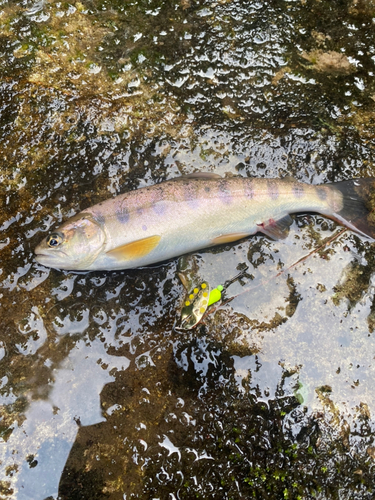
53,413
99,382
272,394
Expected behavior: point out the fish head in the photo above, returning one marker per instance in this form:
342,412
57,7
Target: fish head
75,245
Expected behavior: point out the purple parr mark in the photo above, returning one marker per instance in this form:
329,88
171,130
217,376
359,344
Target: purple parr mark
99,217
190,193
158,201
122,213
249,190
224,193
159,207
273,190
298,191
322,193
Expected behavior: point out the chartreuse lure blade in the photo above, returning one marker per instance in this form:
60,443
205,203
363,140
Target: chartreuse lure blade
215,295
196,304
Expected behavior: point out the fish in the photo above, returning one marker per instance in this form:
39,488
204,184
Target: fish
183,215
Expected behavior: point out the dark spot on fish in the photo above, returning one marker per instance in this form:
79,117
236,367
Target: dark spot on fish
207,189
322,193
273,190
140,211
249,190
224,193
298,191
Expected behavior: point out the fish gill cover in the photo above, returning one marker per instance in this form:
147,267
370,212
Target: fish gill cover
272,397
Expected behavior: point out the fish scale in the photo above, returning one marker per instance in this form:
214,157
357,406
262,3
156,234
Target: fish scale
183,215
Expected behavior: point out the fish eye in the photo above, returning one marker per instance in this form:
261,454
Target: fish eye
54,240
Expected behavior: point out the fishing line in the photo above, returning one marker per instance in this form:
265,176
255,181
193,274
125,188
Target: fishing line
280,273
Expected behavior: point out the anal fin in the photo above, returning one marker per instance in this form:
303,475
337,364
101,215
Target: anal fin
228,238
276,229
135,249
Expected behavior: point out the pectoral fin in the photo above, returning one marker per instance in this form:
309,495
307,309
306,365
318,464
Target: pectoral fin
228,238
135,249
276,229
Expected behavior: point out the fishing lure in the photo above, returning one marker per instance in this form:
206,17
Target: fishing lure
201,298
197,303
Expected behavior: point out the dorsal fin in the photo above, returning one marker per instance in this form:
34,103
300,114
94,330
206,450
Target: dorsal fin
198,175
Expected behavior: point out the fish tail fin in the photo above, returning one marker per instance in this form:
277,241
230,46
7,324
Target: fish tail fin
358,205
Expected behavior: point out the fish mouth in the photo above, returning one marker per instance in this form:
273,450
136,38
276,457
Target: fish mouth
47,259
43,255
43,258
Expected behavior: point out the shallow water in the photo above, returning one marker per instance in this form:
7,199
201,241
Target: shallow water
101,397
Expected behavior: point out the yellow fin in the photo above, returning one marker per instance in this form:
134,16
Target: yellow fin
135,249
228,238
